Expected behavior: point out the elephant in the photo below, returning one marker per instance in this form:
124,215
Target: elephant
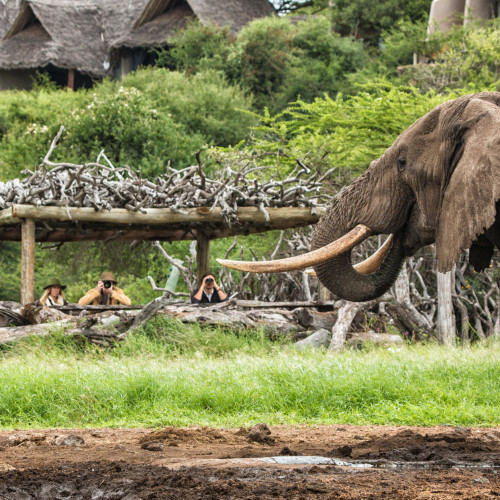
438,183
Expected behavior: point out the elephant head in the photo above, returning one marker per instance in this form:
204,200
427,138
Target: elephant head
439,182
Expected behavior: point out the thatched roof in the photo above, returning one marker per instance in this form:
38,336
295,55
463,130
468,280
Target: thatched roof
160,19
55,33
157,31
9,9
79,34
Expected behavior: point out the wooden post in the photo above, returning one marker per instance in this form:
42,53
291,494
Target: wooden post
202,255
446,329
71,79
27,261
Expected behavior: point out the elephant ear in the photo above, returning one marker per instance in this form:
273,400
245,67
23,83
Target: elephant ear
468,205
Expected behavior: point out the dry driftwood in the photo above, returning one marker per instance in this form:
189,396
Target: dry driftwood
103,187
314,320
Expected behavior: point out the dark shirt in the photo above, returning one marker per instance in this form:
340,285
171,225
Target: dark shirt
204,298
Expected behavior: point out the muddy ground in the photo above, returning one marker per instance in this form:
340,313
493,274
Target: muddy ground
327,462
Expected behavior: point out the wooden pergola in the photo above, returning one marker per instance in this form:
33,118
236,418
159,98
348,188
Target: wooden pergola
30,224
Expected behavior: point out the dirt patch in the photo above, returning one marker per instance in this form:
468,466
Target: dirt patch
199,462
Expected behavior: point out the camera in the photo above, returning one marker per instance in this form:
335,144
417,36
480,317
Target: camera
107,284
209,280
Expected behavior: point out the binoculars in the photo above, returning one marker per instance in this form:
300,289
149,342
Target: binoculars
209,280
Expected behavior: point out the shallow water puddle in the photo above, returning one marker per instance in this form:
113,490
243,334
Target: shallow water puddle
316,460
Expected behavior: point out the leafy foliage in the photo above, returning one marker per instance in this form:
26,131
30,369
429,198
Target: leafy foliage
465,58
366,21
198,47
151,117
348,132
272,58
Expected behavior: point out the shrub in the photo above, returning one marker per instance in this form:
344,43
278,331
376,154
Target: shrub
198,47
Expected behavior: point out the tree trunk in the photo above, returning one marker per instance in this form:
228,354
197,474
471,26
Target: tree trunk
464,320
405,315
446,329
345,316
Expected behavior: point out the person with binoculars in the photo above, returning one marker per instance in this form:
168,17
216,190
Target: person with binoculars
209,292
105,293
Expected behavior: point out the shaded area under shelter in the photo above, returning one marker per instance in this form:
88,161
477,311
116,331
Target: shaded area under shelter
30,224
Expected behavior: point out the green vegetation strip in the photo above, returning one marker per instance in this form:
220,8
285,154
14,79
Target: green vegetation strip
170,374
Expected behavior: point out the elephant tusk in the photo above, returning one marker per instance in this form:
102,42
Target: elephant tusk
337,247
371,264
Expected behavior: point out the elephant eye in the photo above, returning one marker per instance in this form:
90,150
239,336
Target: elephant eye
401,164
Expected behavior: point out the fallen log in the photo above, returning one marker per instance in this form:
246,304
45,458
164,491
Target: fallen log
292,305
11,334
314,320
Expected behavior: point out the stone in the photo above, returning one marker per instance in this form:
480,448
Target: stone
319,338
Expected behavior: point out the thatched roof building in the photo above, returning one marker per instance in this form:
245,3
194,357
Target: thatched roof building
79,40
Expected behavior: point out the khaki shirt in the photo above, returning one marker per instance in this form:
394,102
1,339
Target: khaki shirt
93,298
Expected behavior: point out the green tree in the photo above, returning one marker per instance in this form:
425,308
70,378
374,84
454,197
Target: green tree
320,62
198,47
260,57
464,58
366,20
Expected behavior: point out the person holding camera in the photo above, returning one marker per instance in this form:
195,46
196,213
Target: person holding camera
106,293
209,292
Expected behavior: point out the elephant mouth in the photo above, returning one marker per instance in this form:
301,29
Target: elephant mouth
340,246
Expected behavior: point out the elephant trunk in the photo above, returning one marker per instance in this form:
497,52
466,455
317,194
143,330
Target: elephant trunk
338,274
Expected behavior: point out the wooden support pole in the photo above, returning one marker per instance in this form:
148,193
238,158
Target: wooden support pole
202,255
27,261
71,79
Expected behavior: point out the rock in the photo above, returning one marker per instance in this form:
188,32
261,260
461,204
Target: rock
69,440
371,337
319,338
153,446
16,440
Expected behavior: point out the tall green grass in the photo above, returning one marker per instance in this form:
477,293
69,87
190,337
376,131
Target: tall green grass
170,374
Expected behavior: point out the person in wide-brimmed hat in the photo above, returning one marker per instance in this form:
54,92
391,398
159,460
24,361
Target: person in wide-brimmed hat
53,294
105,293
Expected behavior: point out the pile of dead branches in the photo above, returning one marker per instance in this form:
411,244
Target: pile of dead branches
102,186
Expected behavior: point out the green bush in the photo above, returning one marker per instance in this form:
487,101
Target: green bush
197,47
260,57
366,21
125,123
466,58
152,117
320,63
205,103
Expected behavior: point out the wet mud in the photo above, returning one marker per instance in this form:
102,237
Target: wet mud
289,462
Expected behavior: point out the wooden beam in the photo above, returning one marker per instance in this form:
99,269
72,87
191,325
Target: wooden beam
285,217
28,261
61,234
6,217
202,255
